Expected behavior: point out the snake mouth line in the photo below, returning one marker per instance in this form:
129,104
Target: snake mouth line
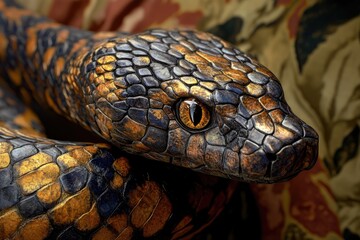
281,166
303,157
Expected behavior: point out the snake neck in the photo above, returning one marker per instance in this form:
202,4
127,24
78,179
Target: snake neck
46,62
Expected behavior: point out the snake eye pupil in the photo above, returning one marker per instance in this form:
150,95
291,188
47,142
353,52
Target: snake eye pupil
193,114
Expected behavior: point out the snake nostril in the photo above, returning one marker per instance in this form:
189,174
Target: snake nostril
271,156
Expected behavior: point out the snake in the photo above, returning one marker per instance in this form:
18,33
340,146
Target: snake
207,113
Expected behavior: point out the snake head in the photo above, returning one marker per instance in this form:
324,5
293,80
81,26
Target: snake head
192,99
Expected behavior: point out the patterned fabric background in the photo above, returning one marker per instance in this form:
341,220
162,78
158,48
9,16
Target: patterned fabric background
313,46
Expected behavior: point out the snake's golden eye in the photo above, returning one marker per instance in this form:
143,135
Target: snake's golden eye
193,114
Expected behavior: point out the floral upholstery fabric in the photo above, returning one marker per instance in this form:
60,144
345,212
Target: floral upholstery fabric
313,47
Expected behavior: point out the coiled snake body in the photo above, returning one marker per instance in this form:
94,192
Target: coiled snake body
181,97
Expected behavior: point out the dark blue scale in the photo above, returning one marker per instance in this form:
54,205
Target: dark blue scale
5,177
42,146
169,40
201,76
74,180
19,142
258,78
139,43
243,121
223,97
159,46
213,50
242,111
136,90
162,57
108,202
132,79
123,47
144,72
257,136
102,163
139,115
179,71
159,32
109,174
139,102
124,63
97,184
198,44
9,196
176,35
23,152
139,53
121,105
124,71
174,53
150,81
234,87
30,207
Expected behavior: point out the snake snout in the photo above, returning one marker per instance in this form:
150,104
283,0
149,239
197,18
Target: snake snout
296,150
291,147
292,159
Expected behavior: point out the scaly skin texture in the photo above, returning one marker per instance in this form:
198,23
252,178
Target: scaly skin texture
129,89
126,88
63,190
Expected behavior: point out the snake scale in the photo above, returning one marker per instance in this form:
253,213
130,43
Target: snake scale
181,97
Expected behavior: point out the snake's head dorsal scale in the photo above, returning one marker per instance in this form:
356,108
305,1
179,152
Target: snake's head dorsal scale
192,99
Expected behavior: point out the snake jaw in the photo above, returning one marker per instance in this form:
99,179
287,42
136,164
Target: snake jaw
280,159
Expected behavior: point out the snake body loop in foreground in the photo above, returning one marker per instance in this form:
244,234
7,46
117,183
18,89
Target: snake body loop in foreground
181,97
